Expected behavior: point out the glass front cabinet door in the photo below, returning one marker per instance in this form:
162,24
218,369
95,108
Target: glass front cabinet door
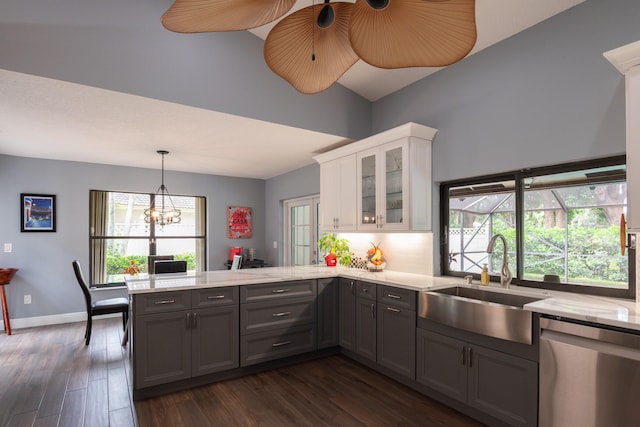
383,179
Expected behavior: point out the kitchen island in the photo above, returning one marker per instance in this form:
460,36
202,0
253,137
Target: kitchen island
191,329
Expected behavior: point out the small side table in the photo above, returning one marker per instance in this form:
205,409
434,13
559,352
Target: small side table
6,274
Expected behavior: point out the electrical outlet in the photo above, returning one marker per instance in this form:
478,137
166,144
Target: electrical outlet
27,299
8,247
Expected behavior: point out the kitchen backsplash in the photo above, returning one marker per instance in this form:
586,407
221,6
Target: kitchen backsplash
406,252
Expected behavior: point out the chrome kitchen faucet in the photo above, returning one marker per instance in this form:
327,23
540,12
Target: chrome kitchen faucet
505,274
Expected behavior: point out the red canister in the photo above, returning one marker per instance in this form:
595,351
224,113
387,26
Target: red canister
235,250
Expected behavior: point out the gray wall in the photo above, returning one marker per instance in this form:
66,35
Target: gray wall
298,183
121,45
544,96
44,259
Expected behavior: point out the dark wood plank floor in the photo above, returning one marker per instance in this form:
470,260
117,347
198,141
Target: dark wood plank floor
49,378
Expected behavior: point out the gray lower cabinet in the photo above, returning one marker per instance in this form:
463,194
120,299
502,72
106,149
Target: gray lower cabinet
347,314
358,317
328,304
277,320
396,330
162,348
214,340
172,343
366,328
499,384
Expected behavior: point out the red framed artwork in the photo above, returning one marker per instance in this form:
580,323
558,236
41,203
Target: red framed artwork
238,222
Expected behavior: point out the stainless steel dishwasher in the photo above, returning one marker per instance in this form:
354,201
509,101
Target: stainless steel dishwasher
589,375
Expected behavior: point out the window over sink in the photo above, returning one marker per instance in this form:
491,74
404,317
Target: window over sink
563,225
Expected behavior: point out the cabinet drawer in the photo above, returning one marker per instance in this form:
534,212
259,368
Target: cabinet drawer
270,345
269,315
397,297
214,296
161,302
271,291
366,290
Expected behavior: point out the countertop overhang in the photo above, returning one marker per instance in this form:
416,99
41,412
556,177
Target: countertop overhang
607,311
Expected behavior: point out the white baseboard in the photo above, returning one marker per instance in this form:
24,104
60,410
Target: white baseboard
31,322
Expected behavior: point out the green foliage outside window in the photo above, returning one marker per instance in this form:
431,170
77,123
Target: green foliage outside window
117,263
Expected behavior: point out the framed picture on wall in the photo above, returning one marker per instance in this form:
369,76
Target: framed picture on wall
38,212
238,222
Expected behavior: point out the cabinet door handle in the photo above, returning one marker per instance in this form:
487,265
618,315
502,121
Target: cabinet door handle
352,292
278,291
373,311
188,321
365,290
470,357
395,310
215,297
463,355
195,321
165,301
284,313
394,296
280,344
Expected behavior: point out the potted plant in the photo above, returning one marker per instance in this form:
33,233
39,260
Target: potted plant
334,249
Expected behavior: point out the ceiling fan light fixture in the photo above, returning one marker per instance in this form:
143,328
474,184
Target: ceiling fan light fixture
297,38
433,33
378,4
199,16
326,16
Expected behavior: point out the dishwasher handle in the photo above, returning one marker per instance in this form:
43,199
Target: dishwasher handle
618,343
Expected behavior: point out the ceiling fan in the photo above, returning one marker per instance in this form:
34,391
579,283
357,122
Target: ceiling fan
312,47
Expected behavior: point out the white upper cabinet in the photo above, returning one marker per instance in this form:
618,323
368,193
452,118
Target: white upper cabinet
389,187
383,181
337,194
627,60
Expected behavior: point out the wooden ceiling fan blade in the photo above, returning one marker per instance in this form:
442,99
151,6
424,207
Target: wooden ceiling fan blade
412,33
292,44
198,16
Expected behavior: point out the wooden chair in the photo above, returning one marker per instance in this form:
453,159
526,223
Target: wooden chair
100,307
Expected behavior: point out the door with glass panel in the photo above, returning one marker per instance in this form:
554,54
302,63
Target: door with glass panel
301,233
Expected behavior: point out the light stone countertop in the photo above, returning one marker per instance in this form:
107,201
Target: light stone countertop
608,311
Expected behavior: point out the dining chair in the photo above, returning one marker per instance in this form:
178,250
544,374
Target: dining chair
151,261
177,266
99,307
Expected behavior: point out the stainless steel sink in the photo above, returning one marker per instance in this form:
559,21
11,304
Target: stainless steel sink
496,314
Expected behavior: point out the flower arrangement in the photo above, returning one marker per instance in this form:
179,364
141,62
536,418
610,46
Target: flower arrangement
132,268
335,249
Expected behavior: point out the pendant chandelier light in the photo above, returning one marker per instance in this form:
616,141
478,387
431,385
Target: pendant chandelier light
314,46
159,212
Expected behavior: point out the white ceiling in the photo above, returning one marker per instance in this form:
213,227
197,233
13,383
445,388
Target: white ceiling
45,118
